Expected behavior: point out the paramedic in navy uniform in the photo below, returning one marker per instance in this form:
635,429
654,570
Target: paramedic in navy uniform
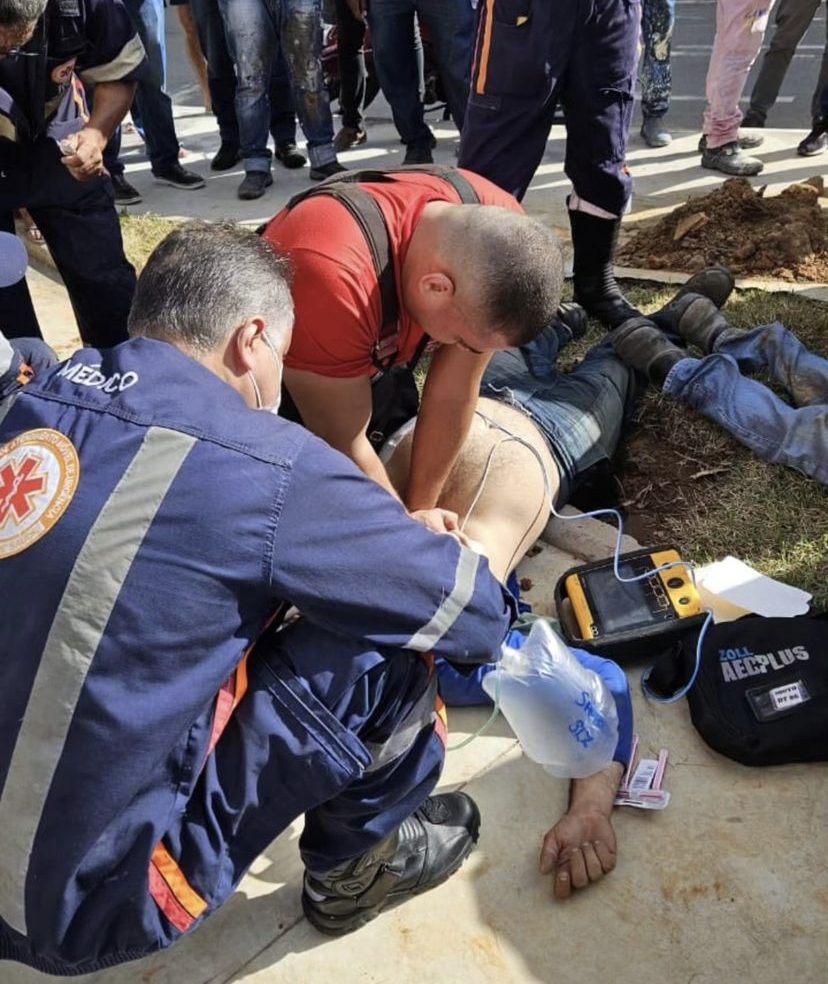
52,137
155,734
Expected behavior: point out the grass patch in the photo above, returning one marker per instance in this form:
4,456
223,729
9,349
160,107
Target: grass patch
682,479
142,233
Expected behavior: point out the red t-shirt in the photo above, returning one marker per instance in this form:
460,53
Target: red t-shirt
335,290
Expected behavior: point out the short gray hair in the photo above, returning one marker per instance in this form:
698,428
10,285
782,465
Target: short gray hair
512,268
16,13
204,279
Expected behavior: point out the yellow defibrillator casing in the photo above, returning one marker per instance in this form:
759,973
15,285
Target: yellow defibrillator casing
604,606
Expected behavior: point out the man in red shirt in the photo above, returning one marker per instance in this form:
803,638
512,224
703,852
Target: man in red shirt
471,278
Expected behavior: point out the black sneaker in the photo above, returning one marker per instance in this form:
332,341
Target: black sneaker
125,194
729,159
254,184
816,141
753,119
418,153
176,177
640,345
426,850
326,171
227,156
288,153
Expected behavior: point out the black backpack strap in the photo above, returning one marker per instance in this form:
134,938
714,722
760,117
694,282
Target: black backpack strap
367,214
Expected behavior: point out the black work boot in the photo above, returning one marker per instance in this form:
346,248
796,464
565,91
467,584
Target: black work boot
715,283
429,847
593,241
573,318
640,345
701,322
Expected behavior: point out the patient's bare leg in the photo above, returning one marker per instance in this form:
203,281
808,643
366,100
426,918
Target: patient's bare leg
513,507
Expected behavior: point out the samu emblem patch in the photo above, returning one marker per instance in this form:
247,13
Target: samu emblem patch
39,473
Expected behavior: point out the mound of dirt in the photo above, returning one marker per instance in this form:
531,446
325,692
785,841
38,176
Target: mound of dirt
735,225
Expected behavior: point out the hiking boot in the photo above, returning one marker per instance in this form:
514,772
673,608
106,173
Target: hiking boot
349,136
816,141
654,133
754,119
288,154
227,156
594,240
640,345
729,159
426,850
176,177
747,141
700,322
418,153
254,185
326,171
125,194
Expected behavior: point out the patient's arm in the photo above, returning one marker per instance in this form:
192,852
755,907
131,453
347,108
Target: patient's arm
581,847
513,507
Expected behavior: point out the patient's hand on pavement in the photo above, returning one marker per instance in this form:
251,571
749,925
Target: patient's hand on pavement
581,847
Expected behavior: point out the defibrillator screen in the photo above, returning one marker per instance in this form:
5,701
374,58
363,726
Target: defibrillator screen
618,606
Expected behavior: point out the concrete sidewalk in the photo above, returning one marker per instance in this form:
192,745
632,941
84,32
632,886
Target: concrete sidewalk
727,884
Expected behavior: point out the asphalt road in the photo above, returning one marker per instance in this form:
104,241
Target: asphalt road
692,42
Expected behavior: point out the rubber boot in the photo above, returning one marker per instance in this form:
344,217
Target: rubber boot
594,240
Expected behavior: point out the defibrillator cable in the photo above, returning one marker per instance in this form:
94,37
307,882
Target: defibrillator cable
595,513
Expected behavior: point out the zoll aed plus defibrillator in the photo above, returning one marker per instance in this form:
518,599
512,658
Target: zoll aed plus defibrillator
601,609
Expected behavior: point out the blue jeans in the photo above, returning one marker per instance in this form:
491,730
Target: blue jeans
582,413
451,27
657,20
796,436
255,30
151,101
221,78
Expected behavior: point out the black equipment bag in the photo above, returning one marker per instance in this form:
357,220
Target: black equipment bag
395,397
761,696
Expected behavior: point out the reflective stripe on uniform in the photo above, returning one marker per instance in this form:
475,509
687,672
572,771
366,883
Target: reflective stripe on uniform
449,611
91,592
126,61
171,891
481,70
8,131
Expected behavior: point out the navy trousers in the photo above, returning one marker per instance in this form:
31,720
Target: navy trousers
328,727
81,228
530,55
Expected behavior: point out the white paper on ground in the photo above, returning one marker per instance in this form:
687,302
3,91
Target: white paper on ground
731,588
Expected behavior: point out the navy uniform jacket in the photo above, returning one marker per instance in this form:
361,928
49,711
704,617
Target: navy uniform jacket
150,522
42,91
